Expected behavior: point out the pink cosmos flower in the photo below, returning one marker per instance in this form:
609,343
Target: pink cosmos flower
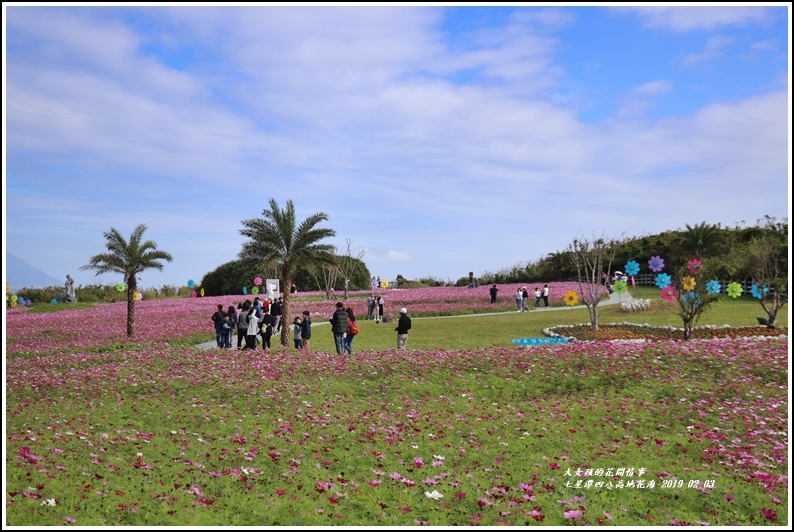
572,514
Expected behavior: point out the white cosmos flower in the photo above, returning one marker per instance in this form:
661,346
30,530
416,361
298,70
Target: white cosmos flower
48,502
433,494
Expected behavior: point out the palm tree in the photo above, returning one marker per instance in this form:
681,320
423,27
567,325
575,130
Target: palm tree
700,240
278,238
128,259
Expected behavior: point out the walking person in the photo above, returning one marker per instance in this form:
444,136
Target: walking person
352,330
297,331
339,327
519,299
242,323
253,329
217,319
545,295
538,295
524,300
306,330
493,292
232,312
403,325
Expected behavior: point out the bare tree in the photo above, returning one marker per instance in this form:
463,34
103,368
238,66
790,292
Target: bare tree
765,264
589,258
347,265
688,296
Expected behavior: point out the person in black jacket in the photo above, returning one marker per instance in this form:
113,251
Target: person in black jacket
339,327
306,330
403,324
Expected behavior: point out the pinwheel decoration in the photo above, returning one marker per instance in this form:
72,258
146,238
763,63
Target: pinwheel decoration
691,299
245,290
632,268
620,287
734,289
258,281
663,280
757,292
191,283
255,290
15,298
713,287
571,298
694,266
656,263
193,294
53,301
202,292
120,287
137,296
688,283
669,293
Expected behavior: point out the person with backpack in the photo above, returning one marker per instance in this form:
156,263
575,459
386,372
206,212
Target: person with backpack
352,330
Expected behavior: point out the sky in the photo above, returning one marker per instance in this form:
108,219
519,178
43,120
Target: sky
438,139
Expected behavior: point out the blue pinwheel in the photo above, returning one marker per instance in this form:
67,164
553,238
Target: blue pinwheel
632,268
663,280
191,283
713,287
757,292
691,299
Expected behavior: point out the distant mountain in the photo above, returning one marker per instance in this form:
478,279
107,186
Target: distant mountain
20,274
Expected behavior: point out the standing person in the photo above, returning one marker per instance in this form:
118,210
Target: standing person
266,330
545,295
352,330
306,330
538,295
275,311
258,307
297,331
381,301
242,323
253,329
524,299
403,324
493,292
217,319
375,307
226,331
370,301
519,298
233,320
339,327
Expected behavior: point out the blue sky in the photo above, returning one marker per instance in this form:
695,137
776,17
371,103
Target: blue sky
438,139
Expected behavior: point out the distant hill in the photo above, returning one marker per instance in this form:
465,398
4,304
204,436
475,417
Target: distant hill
20,274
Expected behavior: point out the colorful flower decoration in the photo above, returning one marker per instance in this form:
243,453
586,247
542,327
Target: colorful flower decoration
691,299
734,289
688,283
193,294
757,292
191,283
15,297
245,290
694,266
713,287
620,287
669,293
137,296
120,287
255,290
53,301
571,298
663,280
632,268
656,263
385,284
202,292
13,304
258,281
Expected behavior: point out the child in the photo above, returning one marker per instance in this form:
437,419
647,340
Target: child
226,331
296,332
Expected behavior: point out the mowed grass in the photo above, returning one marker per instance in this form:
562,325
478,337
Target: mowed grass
461,429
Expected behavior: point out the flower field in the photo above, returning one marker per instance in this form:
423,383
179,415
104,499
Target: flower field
104,431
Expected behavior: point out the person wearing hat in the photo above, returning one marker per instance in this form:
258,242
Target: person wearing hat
403,324
339,327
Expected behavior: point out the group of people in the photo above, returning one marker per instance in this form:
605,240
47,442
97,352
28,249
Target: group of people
255,319
345,328
375,307
522,298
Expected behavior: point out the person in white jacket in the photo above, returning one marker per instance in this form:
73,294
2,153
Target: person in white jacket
253,329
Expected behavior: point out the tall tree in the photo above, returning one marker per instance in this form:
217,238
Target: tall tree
769,271
592,258
700,240
278,238
129,259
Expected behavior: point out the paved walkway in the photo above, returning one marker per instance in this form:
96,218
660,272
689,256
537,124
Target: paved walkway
613,299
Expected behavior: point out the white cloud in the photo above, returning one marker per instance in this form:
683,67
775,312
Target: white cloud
687,18
715,47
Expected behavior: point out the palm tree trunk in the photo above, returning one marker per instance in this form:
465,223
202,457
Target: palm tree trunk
285,323
130,310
